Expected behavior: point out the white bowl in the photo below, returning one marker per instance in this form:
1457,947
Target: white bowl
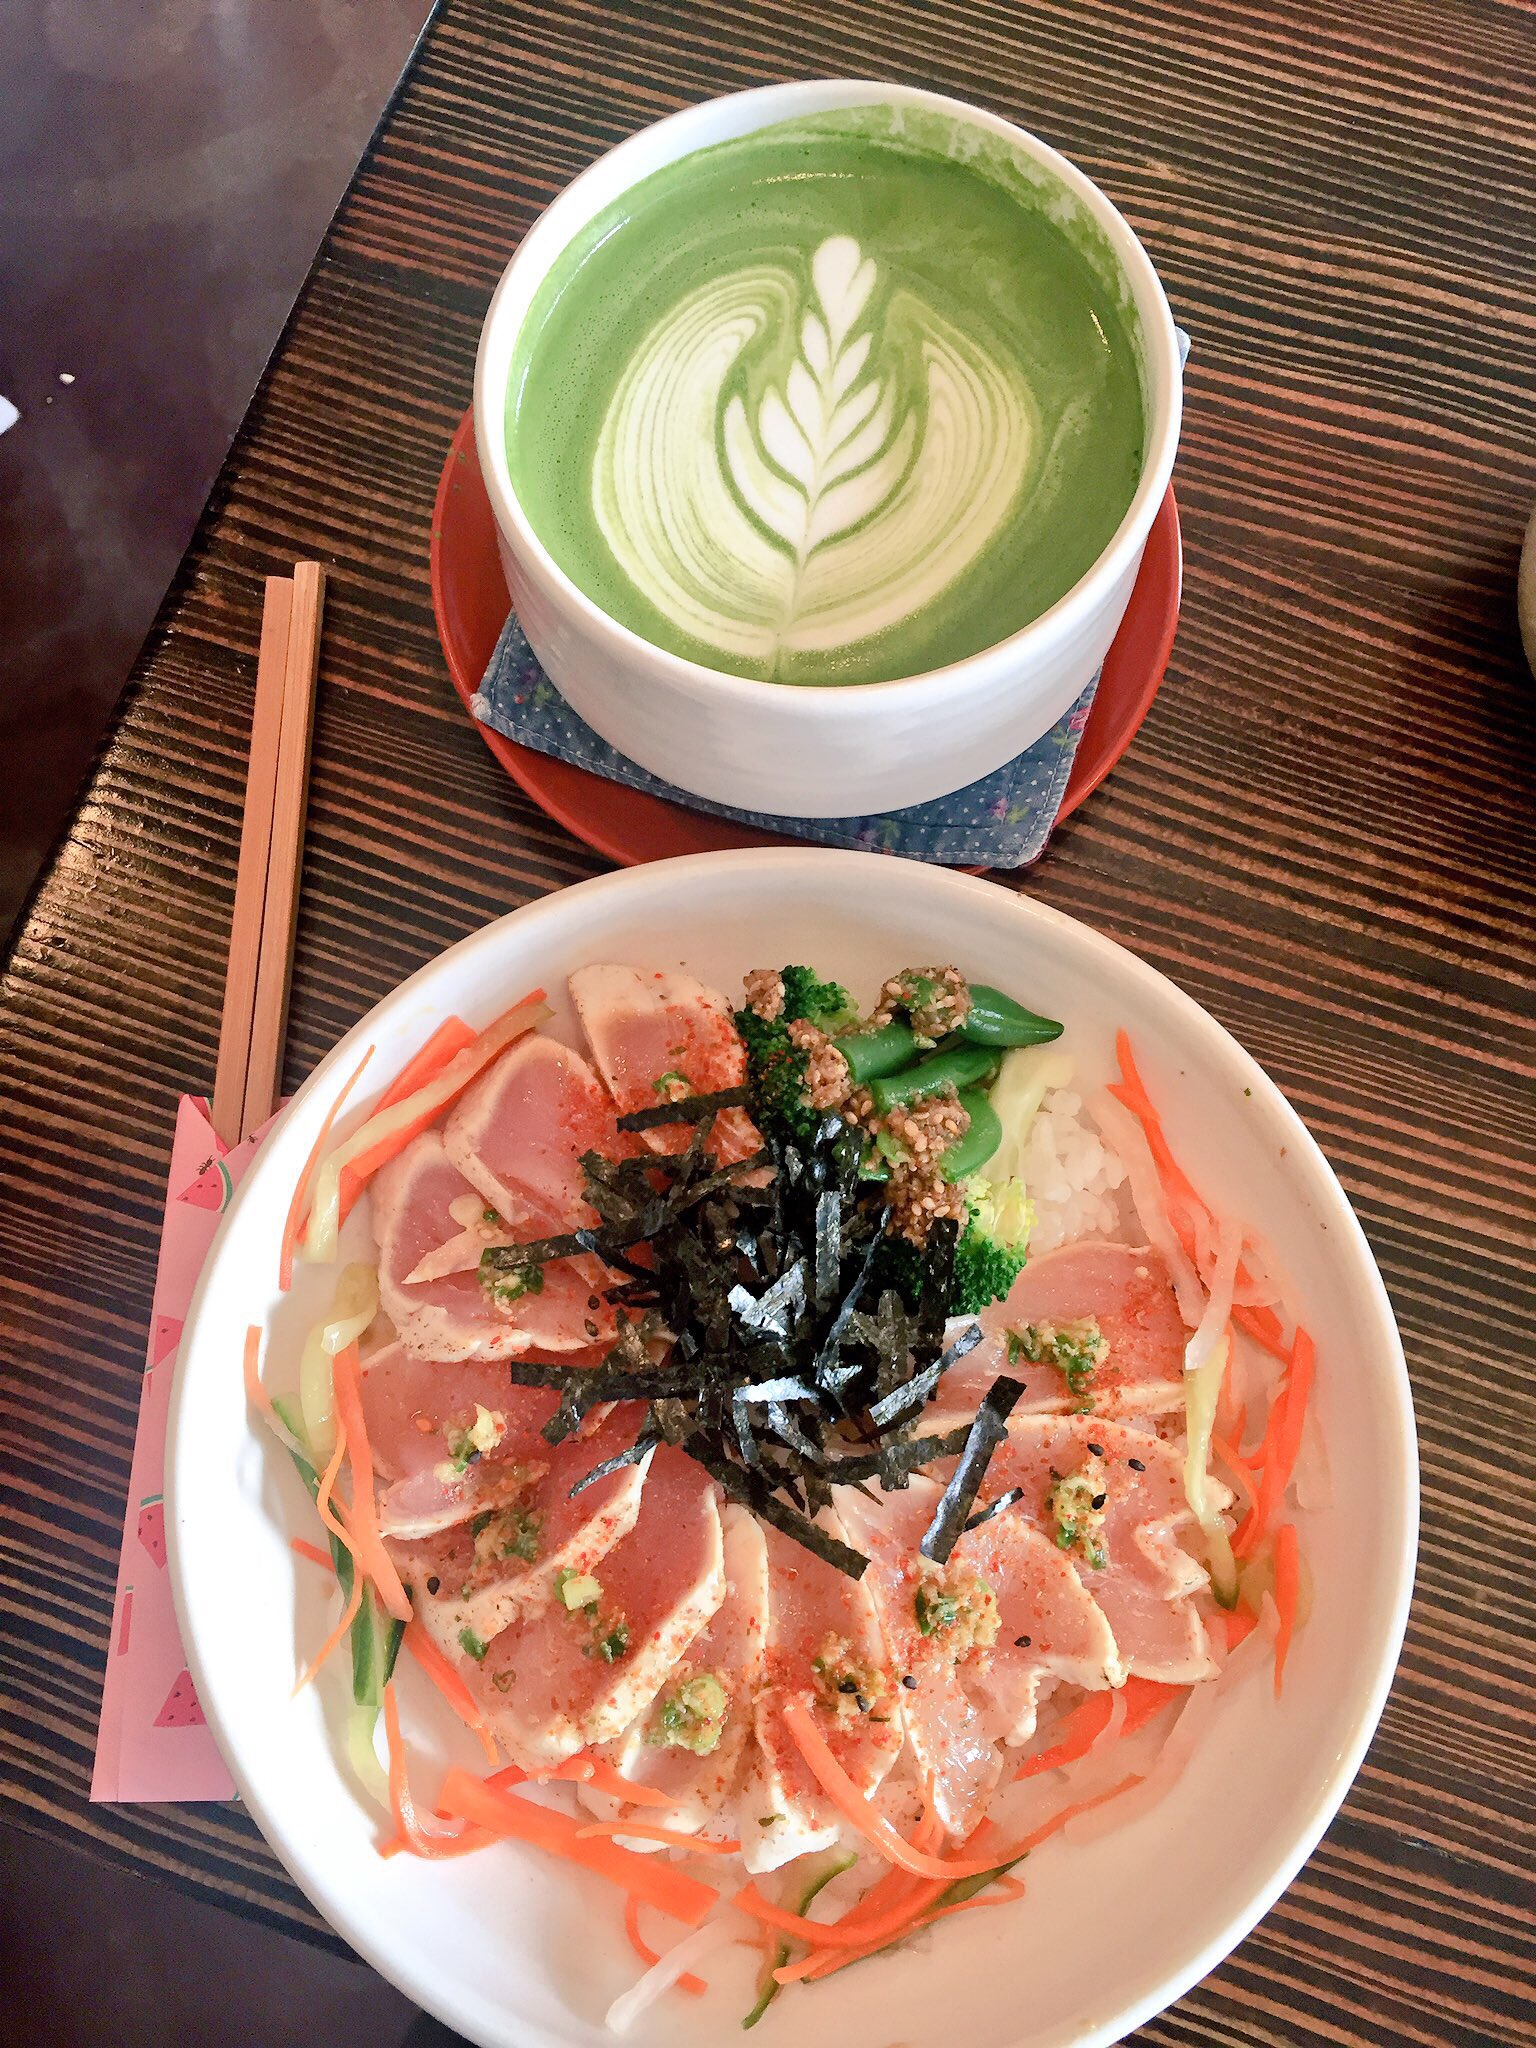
511,1948
814,752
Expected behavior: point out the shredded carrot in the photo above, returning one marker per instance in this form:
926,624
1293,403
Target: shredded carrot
1240,1426
313,1552
651,1879
421,1841
367,1545
851,1803
1250,1530
445,1086
694,1986
1241,1624
348,1616
1081,1729
323,1504
464,1844
918,1913
602,1777
869,1924
647,1831
582,1769
1282,1445
1132,1091
293,1222
1143,1698
817,1967
816,1934
1287,1592
450,1685
447,1041
1247,1474
897,1884
255,1392
1262,1324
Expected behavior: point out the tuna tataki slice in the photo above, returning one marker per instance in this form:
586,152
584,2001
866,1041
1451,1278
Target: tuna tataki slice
501,1565
424,1421
1128,1293
452,1317
1127,1549
949,1738
1050,1629
693,1739
518,1134
658,1034
824,1648
571,1676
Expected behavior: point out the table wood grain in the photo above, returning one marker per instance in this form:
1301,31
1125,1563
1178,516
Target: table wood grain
1324,831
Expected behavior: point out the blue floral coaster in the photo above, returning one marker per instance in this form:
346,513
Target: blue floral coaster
1003,821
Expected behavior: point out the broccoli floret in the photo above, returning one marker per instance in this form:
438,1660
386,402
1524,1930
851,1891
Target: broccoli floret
827,1004
993,1245
776,1077
984,1272
776,1065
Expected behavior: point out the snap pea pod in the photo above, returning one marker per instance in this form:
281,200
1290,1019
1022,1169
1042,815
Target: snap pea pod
873,1054
970,1154
961,1066
996,1019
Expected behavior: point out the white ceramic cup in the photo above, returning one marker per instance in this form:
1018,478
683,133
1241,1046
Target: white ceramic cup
833,751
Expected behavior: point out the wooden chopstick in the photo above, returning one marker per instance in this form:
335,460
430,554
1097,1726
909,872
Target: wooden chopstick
251,876
269,1018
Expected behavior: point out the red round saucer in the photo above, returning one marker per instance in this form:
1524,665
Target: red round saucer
469,597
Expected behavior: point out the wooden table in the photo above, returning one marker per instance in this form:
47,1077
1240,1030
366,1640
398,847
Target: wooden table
1323,832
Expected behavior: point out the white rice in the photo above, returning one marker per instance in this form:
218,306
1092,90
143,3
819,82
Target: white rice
1073,1177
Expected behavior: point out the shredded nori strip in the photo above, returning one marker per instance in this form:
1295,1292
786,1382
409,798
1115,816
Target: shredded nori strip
687,1109
906,1457
959,1497
996,1507
793,1365
642,1446
740,1488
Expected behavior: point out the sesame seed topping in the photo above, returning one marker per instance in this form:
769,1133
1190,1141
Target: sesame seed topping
910,1682
1136,1465
1097,1450
434,1583
1022,1642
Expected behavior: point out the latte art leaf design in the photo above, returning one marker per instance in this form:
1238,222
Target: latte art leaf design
765,514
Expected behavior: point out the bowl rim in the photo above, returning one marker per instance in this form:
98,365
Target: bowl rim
1346,1237
549,234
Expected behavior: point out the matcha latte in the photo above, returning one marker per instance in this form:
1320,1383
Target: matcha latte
847,399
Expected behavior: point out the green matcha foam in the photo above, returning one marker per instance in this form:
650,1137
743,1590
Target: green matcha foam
846,399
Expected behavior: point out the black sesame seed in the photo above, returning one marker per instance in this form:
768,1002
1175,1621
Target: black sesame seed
473,1458
1022,1642
592,1301
861,1703
433,1583
910,1682
590,1327
1098,1501
848,1685
1136,1465
1096,1450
